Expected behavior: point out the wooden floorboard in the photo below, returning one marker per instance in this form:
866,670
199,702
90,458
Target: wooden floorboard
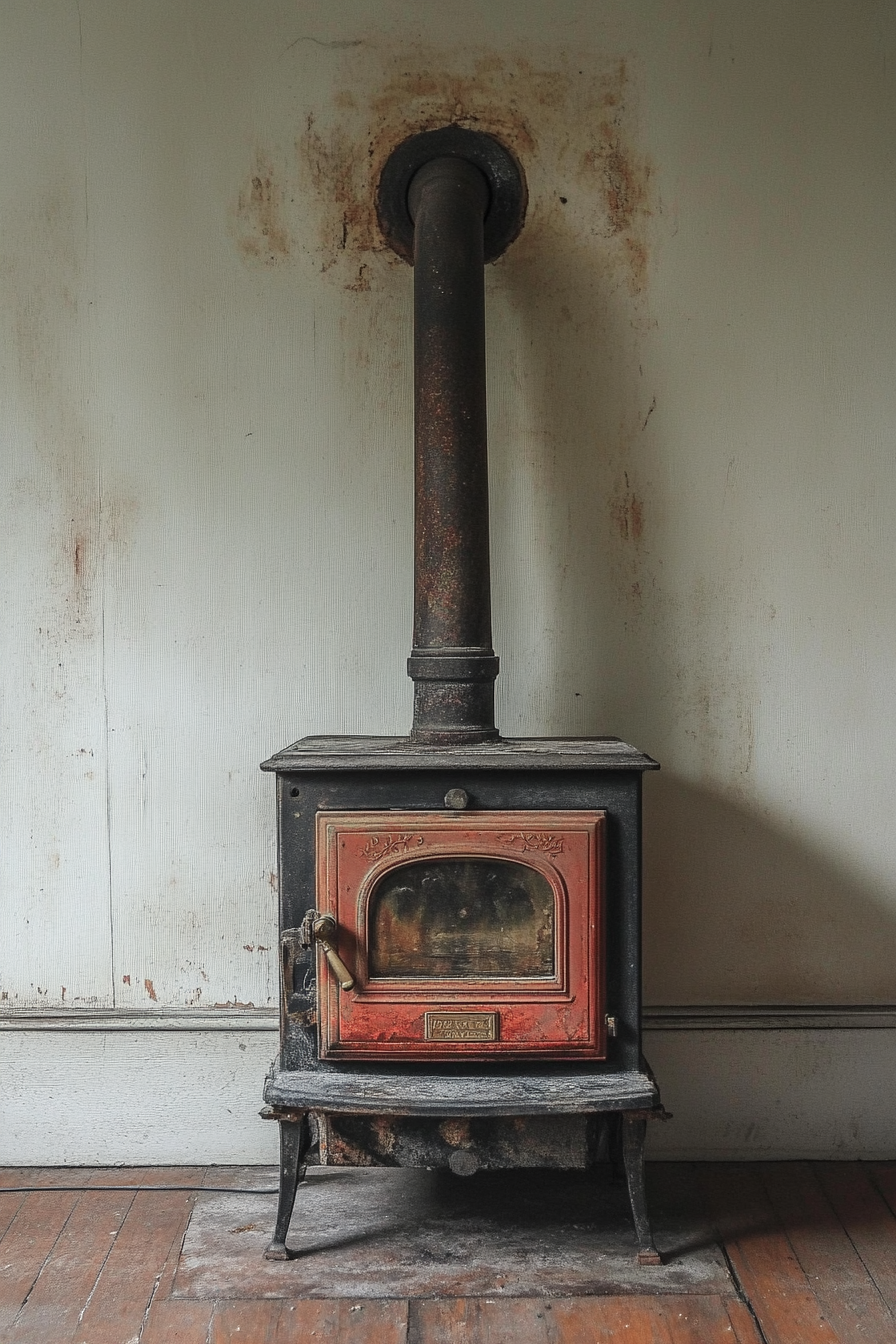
868,1219
883,1175
583,1320
743,1324
845,1291
812,1247
178,1323
154,1227
162,1320
72,1267
9,1207
761,1255
47,1178
26,1244
341,1322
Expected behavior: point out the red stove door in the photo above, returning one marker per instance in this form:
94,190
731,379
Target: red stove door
469,935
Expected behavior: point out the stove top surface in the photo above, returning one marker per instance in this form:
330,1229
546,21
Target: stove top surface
509,753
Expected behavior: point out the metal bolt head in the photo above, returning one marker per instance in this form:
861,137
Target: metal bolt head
457,799
463,1163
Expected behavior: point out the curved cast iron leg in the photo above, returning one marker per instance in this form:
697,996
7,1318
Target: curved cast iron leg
294,1142
634,1128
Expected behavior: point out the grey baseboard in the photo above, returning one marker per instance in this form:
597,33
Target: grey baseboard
771,1017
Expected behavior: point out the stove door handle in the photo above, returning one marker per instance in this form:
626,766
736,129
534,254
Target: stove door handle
324,930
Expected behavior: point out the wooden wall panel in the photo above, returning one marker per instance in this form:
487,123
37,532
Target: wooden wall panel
54,849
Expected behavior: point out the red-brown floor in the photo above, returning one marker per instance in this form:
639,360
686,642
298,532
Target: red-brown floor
811,1246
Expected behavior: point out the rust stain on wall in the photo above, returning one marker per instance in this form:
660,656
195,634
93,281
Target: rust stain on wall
627,512
623,174
636,251
573,127
262,233
150,989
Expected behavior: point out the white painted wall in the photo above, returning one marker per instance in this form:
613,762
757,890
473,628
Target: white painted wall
206,429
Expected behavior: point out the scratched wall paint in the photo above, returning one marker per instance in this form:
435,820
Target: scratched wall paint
207,448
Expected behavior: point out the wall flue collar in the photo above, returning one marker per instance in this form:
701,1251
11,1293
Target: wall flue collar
508,196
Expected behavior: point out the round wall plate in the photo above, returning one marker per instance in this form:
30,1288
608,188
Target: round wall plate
507,186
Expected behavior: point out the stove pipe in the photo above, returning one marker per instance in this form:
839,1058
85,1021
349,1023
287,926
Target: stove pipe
449,201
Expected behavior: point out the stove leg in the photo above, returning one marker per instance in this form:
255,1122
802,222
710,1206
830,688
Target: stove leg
294,1143
634,1129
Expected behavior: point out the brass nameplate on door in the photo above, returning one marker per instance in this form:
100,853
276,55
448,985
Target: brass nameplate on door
461,1026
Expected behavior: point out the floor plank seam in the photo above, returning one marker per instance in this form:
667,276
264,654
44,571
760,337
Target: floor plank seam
105,1257
874,1182
413,1333
152,1298
161,1273
741,1293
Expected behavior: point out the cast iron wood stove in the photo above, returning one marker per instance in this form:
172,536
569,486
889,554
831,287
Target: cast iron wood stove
460,913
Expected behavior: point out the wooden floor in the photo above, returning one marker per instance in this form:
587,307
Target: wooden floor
812,1248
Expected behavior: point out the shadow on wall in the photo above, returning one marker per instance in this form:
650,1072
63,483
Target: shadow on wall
752,914
737,907
567,318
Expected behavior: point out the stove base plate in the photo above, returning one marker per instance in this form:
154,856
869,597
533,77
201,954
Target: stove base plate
381,1091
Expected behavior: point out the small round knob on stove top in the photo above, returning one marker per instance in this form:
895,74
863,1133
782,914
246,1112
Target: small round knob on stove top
457,799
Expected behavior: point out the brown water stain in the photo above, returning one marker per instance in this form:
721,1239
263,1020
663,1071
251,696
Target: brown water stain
82,548
572,126
262,233
637,253
627,513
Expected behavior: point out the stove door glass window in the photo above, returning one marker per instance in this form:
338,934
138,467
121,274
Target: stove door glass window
463,919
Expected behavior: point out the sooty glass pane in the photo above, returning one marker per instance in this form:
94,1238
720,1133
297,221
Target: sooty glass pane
461,919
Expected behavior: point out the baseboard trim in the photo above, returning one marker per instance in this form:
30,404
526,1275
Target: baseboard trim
187,1089
724,1017
772,1017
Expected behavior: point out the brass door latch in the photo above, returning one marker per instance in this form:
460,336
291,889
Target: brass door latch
323,929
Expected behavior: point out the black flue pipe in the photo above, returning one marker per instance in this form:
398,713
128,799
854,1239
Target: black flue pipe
449,201
453,664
